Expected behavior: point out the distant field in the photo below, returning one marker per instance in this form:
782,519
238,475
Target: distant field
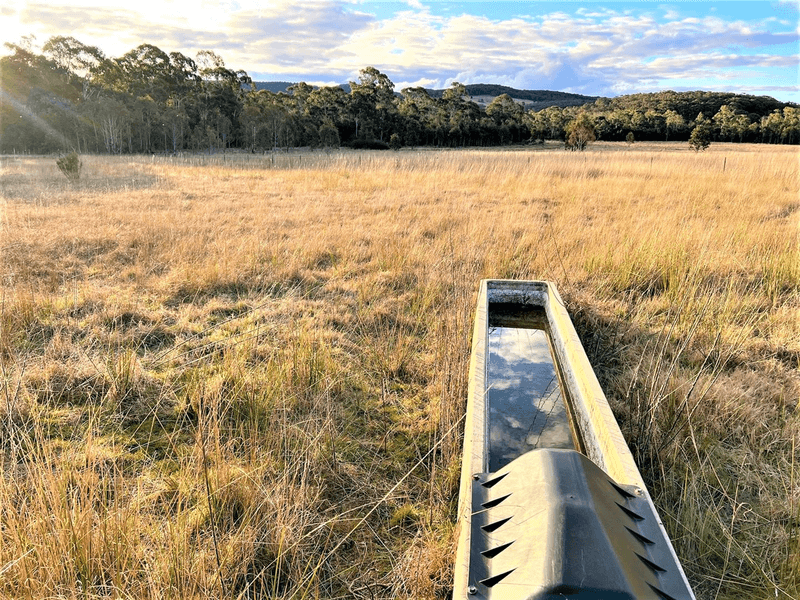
244,376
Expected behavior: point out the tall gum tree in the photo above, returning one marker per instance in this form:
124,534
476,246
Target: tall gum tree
372,102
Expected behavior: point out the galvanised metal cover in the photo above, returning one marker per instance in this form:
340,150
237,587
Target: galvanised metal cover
552,524
555,523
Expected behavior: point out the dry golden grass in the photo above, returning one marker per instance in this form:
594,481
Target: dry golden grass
244,376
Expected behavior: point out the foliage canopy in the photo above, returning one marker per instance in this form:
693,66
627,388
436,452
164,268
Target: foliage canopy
73,97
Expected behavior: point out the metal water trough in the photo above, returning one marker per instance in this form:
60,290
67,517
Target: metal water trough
551,502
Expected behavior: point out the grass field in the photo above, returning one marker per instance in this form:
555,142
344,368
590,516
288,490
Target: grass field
245,376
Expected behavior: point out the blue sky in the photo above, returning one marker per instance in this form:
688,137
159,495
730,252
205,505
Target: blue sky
595,48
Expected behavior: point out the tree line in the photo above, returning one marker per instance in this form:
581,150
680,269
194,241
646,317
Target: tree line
71,97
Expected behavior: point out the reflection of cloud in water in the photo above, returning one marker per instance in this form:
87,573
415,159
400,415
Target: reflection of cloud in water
515,345
525,406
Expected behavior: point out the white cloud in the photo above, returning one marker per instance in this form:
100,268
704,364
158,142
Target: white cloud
595,51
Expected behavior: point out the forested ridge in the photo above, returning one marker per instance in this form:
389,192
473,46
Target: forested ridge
73,97
545,97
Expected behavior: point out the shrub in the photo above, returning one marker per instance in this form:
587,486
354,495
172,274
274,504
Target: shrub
394,142
580,132
630,138
701,134
70,165
700,138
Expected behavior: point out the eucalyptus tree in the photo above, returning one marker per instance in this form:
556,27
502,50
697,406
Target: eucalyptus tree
111,120
674,122
554,121
372,103
146,113
410,115
218,100
619,122
537,124
271,120
732,123
37,103
107,75
463,115
771,127
328,106
640,125
75,58
147,72
580,132
656,123
175,123
302,111
300,92
183,76
414,109
508,118
790,128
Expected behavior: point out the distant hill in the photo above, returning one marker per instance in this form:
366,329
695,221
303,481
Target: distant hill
481,93
687,104
273,86
281,86
484,93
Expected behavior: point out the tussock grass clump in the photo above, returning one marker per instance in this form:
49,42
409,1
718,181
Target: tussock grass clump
70,165
244,376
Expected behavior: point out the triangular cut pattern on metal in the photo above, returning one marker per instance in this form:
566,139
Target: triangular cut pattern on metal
661,594
490,527
651,564
492,552
644,539
493,581
633,515
495,502
495,481
622,491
